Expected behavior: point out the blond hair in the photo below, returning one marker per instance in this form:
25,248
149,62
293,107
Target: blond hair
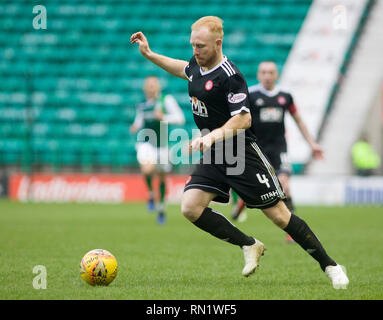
213,23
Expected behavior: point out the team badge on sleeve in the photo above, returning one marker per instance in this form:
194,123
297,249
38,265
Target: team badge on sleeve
236,98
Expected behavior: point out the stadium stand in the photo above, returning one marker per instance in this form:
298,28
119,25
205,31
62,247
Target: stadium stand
360,113
68,93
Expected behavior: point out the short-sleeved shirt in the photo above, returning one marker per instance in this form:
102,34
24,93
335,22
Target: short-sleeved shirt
217,95
268,116
146,119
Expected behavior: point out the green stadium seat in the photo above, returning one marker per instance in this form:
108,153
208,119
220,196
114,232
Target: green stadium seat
85,78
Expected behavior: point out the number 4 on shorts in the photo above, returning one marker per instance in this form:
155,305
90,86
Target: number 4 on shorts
263,179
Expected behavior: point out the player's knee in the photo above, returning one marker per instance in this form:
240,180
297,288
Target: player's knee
280,220
279,215
148,168
190,210
161,176
187,211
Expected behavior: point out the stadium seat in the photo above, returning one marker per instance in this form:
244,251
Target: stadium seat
71,91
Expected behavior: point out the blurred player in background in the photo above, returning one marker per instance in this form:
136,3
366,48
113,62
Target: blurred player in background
270,105
237,212
366,161
220,105
155,109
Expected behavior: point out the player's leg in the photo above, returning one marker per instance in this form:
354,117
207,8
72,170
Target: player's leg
161,218
238,213
282,165
284,179
280,215
148,171
234,196
304,236
238,206
260,188
147,158
163,168
194,207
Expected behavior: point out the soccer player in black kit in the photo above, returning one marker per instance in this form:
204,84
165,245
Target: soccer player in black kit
270,104
220,104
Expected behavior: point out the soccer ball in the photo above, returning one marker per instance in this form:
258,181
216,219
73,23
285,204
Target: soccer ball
98,267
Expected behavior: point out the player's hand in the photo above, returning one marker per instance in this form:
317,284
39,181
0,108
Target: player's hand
143,44
201,143
133,129
317,152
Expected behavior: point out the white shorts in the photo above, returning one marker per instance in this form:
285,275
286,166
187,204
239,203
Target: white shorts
148,154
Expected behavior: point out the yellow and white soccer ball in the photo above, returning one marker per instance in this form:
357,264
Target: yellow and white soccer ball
98,267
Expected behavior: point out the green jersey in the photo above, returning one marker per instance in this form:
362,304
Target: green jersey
147,110
146,119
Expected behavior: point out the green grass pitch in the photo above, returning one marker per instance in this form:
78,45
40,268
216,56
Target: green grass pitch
179,261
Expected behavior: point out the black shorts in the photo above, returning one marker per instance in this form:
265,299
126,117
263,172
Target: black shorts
279,160
258,185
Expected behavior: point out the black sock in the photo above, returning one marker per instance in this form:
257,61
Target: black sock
302,234
220,227
289,204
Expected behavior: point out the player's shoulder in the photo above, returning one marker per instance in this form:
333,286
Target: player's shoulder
223,70
168,97
141,105
192,62
230,74
286,93
190,68
229,69
278,90
284,90
255,88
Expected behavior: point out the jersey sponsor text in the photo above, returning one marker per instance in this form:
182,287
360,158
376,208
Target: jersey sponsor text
198,107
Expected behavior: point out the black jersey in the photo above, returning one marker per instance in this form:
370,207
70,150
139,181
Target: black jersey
268,116
217,94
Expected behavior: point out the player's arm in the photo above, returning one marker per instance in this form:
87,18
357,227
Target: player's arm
174,114
381,99
232,127
238,105
138,121
240,121
173,66
317,150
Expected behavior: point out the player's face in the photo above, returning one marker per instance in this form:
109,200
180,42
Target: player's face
267,74
151,87
206,47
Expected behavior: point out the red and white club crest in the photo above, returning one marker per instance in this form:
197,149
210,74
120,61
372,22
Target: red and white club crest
281,100
209,85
